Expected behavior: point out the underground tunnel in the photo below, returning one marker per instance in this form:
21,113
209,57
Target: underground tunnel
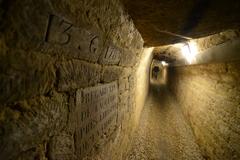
119,80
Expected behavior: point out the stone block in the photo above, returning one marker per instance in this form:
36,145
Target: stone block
38,152
39,27
24,75
128,59
123,85
112,73
64,38
123,108
110,55
132,81
72,29
77,74
61,147
31,123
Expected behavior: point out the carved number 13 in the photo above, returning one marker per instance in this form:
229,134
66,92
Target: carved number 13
58,31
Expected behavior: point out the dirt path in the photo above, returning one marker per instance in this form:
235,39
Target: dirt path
163,133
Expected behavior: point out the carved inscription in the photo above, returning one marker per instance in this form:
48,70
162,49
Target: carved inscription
111,55
58,31
94,45
77,41
96,115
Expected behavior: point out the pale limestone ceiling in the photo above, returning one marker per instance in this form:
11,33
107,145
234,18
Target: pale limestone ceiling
158,20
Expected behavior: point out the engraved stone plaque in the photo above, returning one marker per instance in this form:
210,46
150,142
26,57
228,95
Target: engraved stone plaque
96,115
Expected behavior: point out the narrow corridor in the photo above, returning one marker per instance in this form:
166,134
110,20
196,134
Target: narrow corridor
162,133
119,80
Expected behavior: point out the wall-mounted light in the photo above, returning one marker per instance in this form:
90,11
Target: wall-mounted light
164,63
189,51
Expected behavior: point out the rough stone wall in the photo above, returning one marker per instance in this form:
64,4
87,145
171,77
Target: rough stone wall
209,97
216,39
67,73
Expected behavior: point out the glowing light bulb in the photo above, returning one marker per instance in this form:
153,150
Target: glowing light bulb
164,63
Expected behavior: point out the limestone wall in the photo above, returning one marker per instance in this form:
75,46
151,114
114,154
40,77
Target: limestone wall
210,99
67,73
142,83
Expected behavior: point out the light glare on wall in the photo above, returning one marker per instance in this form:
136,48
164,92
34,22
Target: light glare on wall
189,51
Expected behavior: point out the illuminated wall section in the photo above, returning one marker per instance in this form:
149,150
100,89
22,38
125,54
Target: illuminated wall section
209,97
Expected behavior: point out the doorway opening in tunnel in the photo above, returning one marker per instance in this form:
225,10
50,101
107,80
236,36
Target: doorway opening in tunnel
155,72
158,72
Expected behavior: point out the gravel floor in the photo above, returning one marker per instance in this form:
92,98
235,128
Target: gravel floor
163,133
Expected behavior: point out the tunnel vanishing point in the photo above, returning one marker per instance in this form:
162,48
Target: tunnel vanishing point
119,80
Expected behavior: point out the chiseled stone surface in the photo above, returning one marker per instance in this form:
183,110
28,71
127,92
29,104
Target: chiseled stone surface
54,54
128,59
61,147
77,74
111,73
96,110
24,75
73,29
111,55
29,123
123,84
209,97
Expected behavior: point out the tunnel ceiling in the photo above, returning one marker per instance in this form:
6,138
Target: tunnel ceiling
172,53
160,22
